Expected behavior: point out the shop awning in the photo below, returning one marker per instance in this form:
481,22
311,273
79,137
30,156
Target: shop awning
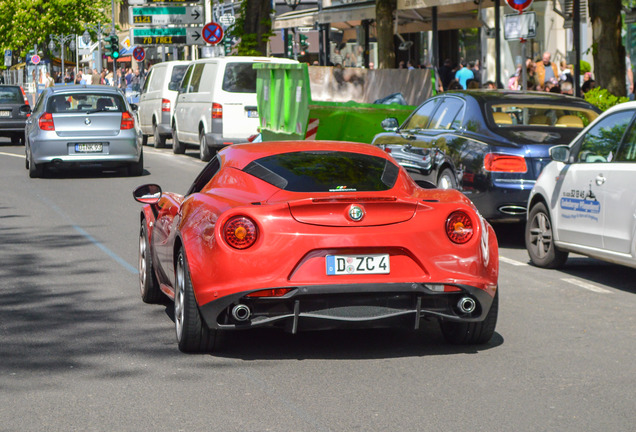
303,18
349,13
416,15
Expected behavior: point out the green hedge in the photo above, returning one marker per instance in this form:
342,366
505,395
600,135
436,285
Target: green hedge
603,99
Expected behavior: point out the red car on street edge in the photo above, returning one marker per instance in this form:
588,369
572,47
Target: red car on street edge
315,235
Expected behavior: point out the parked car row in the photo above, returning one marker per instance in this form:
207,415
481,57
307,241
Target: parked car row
208,103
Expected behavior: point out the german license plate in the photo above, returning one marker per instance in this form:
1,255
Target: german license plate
358,264
8,114
89,148
252,114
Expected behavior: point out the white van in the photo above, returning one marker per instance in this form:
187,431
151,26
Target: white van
157,99
216,105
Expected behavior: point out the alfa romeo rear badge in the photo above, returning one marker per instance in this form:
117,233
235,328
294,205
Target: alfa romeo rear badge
356,213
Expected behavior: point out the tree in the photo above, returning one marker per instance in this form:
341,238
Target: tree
608,49
24,23
253,27
384,10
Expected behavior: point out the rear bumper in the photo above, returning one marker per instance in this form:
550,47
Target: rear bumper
350,305
117,151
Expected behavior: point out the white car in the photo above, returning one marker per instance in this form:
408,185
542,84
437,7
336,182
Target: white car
584,201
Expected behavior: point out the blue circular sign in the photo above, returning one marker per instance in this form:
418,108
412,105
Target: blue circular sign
519,5
139,54
212,33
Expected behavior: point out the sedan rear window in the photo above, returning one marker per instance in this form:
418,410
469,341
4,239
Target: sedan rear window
506,115
11,95
85,102
325,171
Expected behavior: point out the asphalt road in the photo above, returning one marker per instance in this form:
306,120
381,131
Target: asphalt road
81,352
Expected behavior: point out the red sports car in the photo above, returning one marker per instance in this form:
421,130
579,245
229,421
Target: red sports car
315,235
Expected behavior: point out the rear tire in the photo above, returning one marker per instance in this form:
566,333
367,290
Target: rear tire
472,333
160,141
144,140
205,153
177,146
540,239
150,292
193,336
137,169
35,170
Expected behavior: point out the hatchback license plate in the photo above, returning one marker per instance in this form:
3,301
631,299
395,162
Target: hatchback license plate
5,113
252,114
89,148
358,264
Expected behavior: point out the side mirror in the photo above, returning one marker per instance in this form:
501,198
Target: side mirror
390,124
560,153
147,194
134,107
25,109
173,85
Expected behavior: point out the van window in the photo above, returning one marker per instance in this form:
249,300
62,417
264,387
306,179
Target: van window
177,74
195,81
186,79
239,78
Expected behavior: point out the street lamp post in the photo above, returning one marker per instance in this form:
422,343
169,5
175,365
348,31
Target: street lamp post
87,39
61,40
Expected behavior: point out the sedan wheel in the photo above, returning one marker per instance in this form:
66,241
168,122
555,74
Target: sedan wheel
150,292
446,180
192,334
160,141
540,239
35,170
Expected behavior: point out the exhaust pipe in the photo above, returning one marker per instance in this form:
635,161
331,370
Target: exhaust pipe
466,305
241,313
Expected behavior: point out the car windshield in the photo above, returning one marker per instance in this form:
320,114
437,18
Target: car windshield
239,78
506,115
325,171
85,102
11,95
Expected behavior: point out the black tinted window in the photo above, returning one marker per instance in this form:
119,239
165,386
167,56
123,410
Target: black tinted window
11,95
602,140
177,73
83,102
421,117
325,171
444,116
205,175
239,78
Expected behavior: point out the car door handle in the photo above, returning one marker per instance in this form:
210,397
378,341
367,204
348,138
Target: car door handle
600,179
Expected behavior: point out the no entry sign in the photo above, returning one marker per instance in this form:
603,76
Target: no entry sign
519,5
212,33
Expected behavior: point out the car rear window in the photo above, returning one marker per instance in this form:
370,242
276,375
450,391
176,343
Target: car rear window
85,102
11,95
239,78
325,171
507,115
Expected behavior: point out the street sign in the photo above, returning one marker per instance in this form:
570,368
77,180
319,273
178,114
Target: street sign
8,54
227,20
520,26
35,59
519,5
139,54
167,36
156,2
212,33
153,15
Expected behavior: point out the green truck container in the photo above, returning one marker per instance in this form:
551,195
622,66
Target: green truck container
297,101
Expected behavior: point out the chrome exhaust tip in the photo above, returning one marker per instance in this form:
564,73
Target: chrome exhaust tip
241,313
466,305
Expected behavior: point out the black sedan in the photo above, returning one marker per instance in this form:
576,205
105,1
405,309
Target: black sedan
490,144
14,110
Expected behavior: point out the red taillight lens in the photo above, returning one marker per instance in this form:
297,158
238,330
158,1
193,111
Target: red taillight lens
459,227
387,149
127,121
505,163
165,105
217,111
276,292
46,122
240,232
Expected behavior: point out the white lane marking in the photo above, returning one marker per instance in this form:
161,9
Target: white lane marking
511,261
11,154
587,286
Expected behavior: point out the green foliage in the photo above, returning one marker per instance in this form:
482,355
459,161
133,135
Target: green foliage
585,67
603,99
24,23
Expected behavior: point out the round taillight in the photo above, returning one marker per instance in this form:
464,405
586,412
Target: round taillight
459,227
240,232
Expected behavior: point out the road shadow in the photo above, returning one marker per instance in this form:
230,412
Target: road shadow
510,235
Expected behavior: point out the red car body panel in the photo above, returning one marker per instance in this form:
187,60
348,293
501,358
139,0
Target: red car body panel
297,230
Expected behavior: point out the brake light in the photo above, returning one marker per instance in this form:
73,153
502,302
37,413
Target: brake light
165,105
505,163
276,292
240,232
46,122
127,121
217,111
459,227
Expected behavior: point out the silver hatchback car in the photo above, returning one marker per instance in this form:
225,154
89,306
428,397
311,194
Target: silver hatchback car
83,126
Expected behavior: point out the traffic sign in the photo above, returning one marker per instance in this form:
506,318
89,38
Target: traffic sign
153,15
167,36
212,33
142,2
35,59
520,26
519,5
139,54
8,54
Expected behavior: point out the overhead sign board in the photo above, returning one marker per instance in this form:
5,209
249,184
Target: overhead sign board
167,36
155,15
160,2
520,26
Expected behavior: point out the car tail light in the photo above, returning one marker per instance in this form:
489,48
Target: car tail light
217,111
505,163
165,105
46,122
127,121
240,232
387,149
276,292
459,227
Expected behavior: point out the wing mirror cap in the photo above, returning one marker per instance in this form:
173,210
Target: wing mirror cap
560,153
147,194
390,124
